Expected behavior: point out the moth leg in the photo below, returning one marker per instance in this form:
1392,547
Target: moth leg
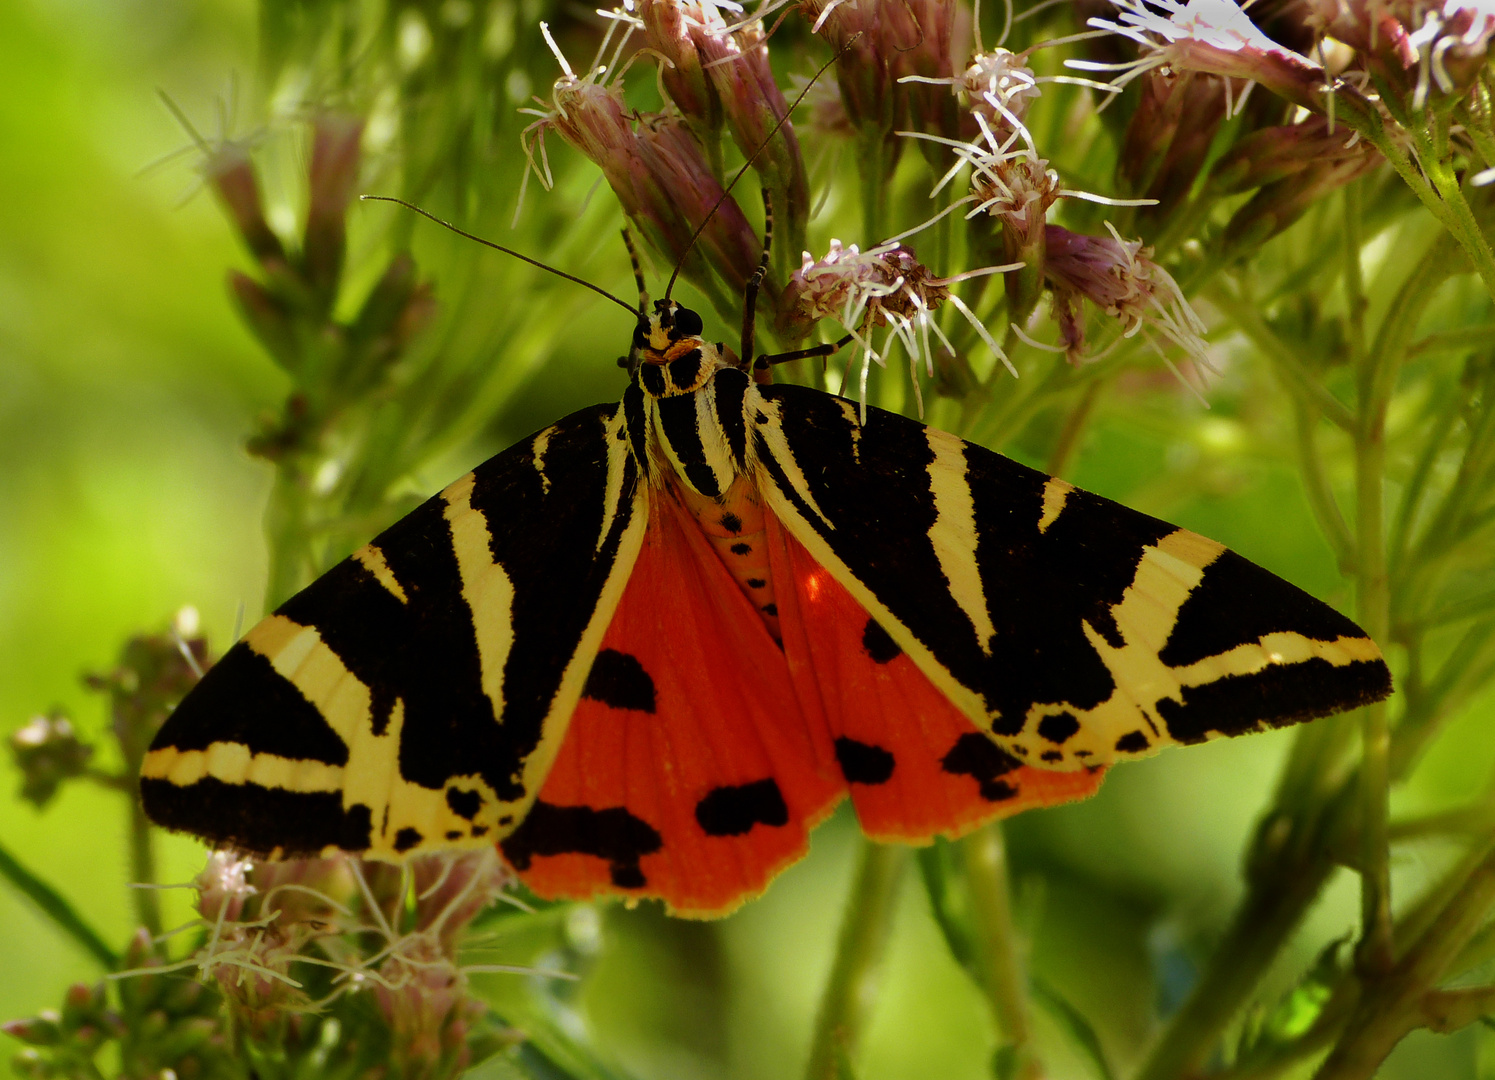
830,348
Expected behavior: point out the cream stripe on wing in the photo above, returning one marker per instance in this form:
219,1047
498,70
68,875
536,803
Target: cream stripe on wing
1055,493
783,454
234,763
1282,647
485,586
953,534
373,561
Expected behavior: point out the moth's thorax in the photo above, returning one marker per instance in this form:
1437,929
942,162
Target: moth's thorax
686,413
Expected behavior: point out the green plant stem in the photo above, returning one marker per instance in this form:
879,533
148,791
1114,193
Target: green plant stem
1074,427
1401,1002
146,901
1375,953
1285,359
1455,216
55,907
984,857
1316,486
852,988
1273,907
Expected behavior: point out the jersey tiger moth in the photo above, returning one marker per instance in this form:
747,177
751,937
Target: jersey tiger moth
647,648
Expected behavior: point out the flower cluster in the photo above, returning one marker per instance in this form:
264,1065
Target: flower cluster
886,286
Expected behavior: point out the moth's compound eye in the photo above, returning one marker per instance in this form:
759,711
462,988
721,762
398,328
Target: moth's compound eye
687,323
641,334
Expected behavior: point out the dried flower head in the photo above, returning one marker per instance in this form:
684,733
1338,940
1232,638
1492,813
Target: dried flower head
47,752
1215,37
884,286
1444,44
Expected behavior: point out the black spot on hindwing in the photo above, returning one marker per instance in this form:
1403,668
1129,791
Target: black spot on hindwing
732,811
407,838
863,763
618,679
613,834
976,756
1133,742
882,648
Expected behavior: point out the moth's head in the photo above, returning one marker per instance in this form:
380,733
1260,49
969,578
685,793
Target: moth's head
660,332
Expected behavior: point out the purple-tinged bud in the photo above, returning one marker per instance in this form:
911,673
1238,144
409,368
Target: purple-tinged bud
44,1029
660,176
754,106
929,60
1119,277
1169,135
334,174
674,29
682,182
1280,203
231,175
268,319
1277,153
853,28
1413,45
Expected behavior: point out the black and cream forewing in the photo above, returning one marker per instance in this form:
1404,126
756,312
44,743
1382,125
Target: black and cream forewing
416,694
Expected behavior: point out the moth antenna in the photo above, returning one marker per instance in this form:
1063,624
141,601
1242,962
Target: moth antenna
638,271
598,289
750,294
751,158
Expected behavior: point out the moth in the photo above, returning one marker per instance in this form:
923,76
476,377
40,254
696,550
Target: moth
646,649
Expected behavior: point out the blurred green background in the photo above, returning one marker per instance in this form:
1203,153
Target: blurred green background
127,388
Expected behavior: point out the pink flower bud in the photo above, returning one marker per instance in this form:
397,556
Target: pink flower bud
754,106
675,29
231,175
334,174
1276,153
1169,135
660,176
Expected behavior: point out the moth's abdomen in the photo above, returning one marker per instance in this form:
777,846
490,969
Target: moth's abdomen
736,528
